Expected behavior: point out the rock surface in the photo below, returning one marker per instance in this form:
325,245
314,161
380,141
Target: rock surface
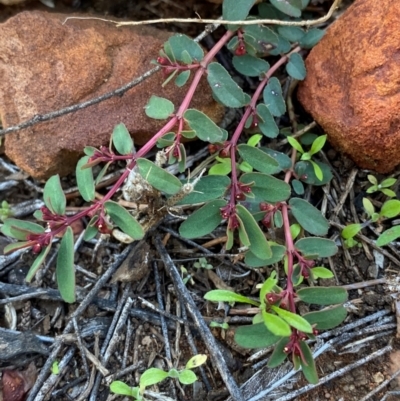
45,66
352,88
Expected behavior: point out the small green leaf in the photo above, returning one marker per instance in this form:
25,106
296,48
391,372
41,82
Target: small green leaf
258,159
20,229
295,230
254,140
295,67
173,373
311,38
321,272
182,46
390,208
266,123
15,246
124,220
388,236
351,230
317,247
187,376
228,296
388,182
276,325
278,355
118,387
196,361
158,177
323,295
308,364
203,126
223,167
309,217
317,170
298,187
258,243
318,144
233,10
65,270
255,336
294,143
37,263
243,237
159,108
249,65
84,179
122,140
53,195
278,252
182,78
282,159
267,287
294,320
372,179
273,97
306,172
55,369
388,192
288,7
203,221
225,89
327,318
291,33
368,206
152,376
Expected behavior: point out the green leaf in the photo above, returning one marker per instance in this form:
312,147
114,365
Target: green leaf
390,208
258,159
250,66
351,230
368,206
255,336
266,123
90,232
321,272
372,179
228,296
222,168
187,376
288,7
308,364
267,287
388,236
295,67
159,108
295,230
388,192
203,221
316,247
311,38
173,373
196,361
243,237
182,44
278,252
294,320
291,33
258,243
152,376
282,159
65,270
278,355
298,187
266,187
124,220
388,182
182,78
122,140
118,387
158,177
233,10
53,195
317,170
273,97
225,89
19,229
309,217
203,126
84,179
102,173
294,143
318,144
327,318
14,246
276,325
37,263
323,295
254,140
306,172
207,188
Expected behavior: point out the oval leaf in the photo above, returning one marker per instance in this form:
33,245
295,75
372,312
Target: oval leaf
255,336
258,159
276,325
183,46
351,230
53,195
323,295
121,388
159,108
294,320
158,177
390,208
203,126
309,217
233,10
37,263
308,364
122,140
65,270
278,252
203,221
19,229
317,247
186,376
228,296
249,65
288,7
278,355
124,220
388,236
196,361
311,38
152,376
327,318
273,97
266,123
84,179
295,67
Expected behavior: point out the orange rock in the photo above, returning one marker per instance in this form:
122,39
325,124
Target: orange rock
352,88
46,65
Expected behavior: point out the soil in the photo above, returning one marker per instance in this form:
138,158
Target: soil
153,328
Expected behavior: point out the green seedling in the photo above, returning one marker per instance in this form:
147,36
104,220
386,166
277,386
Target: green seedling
202,264
381,187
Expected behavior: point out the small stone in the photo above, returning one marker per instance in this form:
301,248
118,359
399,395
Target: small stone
48,63
352,88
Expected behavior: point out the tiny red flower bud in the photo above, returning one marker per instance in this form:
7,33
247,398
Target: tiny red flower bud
36,248
224,153
212,148
240,50
315,332
240,196
162,60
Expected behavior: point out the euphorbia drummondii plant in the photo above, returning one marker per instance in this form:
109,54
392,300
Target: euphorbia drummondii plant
255,197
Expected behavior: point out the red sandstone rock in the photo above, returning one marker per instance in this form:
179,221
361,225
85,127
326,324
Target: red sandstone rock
352,87
45,66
